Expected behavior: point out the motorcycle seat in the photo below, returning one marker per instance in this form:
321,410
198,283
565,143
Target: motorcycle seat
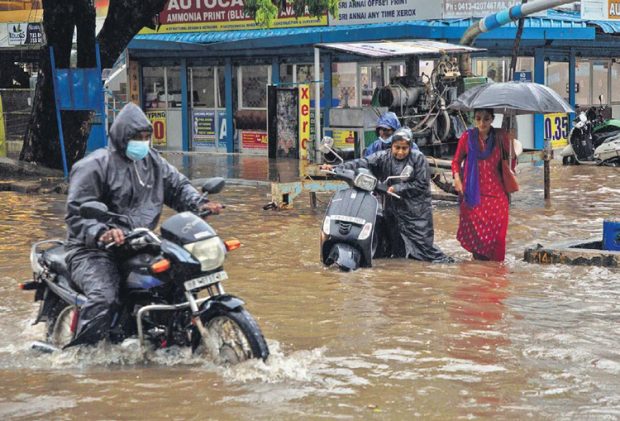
56,260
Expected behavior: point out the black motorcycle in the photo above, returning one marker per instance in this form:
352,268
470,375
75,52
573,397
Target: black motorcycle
353,231
163,276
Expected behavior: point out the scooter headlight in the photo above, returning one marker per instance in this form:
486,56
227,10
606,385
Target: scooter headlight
365,182
326,224
210,253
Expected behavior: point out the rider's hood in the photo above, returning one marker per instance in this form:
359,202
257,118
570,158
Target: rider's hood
127,123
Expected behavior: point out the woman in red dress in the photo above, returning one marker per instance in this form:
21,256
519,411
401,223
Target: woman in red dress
483,220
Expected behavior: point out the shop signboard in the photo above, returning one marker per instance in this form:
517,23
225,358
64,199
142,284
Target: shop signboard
203,128
31,11
476,8
556,129
304,120
254,140
222,15
356,12
24,33
522,76
600,9
158,120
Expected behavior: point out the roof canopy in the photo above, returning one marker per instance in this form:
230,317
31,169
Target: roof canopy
389,49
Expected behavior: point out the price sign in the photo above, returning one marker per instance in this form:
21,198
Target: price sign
556,129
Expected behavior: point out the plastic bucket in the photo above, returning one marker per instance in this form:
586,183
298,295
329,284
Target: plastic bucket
611,235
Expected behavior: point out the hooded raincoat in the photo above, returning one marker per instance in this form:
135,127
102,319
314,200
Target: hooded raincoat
137,189
409,220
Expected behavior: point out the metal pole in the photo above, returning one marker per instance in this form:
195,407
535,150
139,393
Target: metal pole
547,169
317,99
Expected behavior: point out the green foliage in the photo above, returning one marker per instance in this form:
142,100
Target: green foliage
265,11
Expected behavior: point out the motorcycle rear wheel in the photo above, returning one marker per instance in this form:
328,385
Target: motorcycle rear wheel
235,335
60,323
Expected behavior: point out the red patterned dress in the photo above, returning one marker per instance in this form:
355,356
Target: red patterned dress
482,229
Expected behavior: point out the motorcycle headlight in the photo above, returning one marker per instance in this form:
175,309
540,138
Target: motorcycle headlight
210,253
365,182
326,224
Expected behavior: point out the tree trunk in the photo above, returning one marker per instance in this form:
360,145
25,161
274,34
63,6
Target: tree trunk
125,18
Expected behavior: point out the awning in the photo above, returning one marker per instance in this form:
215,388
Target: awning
388,49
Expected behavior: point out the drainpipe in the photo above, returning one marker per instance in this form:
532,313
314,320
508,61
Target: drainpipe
499,19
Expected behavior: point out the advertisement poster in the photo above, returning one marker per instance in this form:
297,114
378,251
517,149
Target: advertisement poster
556,129
344,139
222,15
304,120
24,33
203,123
356,12
255,140
158,120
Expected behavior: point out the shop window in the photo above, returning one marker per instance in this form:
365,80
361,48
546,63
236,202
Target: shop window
287,74
557,78
395,70
600,82
220,93
582,78
202,87
253,92
344,84
153,84
370,79
615,82
305,74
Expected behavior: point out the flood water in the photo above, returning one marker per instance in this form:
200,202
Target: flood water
399,341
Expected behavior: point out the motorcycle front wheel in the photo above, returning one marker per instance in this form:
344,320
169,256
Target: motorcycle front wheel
61,323
234,336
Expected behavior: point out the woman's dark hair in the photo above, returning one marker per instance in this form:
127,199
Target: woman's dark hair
487,110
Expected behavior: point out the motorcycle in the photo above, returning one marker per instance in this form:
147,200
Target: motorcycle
593,140
353,231
159,295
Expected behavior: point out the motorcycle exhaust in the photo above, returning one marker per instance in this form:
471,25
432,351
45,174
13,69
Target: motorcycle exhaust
44,347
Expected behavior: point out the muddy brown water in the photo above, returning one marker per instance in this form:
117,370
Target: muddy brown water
402,340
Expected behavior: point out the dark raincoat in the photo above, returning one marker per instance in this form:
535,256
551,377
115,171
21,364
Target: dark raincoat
409,220
136,189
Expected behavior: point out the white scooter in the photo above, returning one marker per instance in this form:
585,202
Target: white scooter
581,141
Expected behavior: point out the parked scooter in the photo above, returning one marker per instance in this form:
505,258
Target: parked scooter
353,230
162,277
593,140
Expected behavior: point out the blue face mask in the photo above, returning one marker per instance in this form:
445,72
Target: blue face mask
137,149
386,141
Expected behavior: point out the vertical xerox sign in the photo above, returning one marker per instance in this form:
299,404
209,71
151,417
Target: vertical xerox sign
20,33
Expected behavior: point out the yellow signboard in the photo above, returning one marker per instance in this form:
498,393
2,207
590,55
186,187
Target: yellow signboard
158,120
344,139
556,129
32,11
304,121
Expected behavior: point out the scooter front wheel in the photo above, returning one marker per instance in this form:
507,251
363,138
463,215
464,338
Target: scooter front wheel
234,336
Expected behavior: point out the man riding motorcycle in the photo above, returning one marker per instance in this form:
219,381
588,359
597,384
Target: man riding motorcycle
132,179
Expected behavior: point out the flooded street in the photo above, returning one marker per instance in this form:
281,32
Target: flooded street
401,340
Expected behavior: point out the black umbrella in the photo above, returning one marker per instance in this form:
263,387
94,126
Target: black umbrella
512,98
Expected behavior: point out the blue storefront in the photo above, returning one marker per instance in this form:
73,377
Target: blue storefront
211,86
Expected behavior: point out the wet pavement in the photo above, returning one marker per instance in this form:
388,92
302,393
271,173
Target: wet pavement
403,340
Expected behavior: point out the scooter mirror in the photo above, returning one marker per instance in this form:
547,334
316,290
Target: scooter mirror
407,171
326,144
214,185
94,210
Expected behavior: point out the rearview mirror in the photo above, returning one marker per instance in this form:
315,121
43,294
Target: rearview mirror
327,143
407,171
214,185
94,210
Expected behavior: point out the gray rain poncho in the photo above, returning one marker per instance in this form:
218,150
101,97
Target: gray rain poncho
409,220
136,189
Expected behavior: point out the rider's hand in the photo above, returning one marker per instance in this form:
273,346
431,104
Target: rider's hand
327,167
114,235
390,189
458,185
214,207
